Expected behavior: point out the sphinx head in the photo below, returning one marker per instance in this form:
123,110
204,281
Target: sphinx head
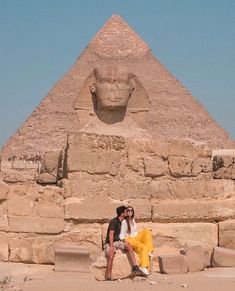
113,87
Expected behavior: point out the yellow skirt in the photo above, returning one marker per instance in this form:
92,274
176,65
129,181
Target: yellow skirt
142,244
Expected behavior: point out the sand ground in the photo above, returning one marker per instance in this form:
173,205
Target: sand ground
22,277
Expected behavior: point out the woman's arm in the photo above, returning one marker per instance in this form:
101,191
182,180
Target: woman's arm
123,232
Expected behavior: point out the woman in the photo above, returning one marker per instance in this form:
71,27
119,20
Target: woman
141,241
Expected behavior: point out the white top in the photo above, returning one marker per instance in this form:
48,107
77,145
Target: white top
124,229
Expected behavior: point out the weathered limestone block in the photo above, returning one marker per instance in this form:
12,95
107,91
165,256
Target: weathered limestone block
20,249
3,217
131,188
99,141
4,189
192,189
66,185
3,247
94,161
86,185
223,257
15,176
95,153
3,222
121,267
176,235
19,205
186,166
32,248
83,235
180,166
142,208
201,165
196,257
50,166
35,200
85,210
72,259
35,224
187,148
46,178
192,211
103,209
173,264
227,234
155,166
223,164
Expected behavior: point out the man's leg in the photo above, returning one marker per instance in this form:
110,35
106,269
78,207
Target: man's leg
109,256
130,254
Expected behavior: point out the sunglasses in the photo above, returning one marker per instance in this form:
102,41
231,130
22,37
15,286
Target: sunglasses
129,210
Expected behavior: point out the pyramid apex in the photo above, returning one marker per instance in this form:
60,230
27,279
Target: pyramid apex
117,39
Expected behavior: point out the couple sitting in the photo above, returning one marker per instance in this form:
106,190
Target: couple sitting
122,234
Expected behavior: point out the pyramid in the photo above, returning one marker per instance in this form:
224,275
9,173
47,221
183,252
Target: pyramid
172,112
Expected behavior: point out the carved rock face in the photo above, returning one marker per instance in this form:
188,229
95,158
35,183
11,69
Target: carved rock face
113,87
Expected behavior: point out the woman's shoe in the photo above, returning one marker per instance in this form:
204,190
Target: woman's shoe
145,271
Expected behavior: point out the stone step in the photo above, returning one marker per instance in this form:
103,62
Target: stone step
173,264
223,257
72,259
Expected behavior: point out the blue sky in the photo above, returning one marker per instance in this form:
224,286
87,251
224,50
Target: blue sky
40,40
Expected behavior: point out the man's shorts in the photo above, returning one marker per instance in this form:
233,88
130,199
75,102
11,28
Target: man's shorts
118,245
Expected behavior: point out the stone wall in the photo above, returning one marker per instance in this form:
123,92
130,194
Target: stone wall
180,189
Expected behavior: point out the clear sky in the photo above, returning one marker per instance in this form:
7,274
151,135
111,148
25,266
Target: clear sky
40,40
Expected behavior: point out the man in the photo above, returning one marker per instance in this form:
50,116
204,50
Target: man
113,242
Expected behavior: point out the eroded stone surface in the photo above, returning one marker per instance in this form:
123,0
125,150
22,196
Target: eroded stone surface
192,189
4,189
223,257
227,234
173,264
224,164
190,211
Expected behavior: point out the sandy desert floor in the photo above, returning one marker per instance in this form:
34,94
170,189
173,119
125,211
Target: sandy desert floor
22,277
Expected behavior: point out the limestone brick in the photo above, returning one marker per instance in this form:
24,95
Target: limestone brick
155,166
196,257
227,234
223,257
192,189
4,189
132,188
87,185
19,205
121,267
86,210
190,211
36,224
176,235
4,247
224,164
188,166
15,176
173,264
94,161
3,217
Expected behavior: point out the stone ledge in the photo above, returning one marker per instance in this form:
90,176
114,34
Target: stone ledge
35,224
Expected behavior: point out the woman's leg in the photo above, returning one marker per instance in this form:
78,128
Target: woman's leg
145,237
141,250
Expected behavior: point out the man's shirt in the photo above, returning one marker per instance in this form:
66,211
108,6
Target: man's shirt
115,225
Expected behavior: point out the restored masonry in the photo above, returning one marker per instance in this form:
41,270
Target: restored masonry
118,128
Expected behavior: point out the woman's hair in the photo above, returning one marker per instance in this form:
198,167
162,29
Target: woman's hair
127,220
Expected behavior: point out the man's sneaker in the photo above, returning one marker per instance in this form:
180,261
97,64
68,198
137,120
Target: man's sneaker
145,271
136,272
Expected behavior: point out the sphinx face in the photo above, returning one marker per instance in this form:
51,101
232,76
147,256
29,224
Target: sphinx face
113,87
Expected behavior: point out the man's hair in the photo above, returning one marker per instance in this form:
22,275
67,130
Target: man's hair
120,210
